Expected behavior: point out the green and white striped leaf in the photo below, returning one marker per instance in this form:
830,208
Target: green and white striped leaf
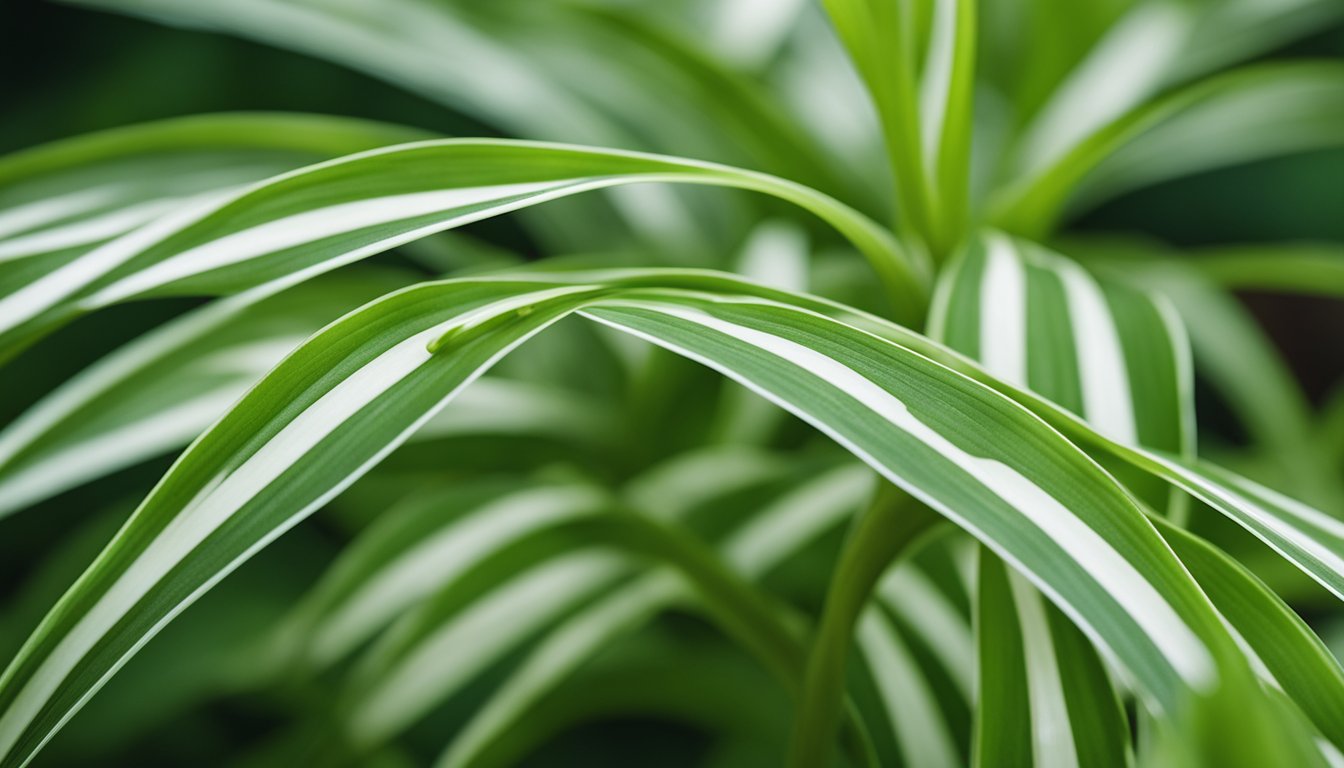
78,192
556,92
733,337
1309,538
1287,653
60,201
1237,357
1105,352
294,226
1003,281
1038,320
1044,698
329,412
161,391
915,641
411,671
754,549
427,541
157,393
351,394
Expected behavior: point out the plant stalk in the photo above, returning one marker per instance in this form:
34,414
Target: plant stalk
743,611
885,531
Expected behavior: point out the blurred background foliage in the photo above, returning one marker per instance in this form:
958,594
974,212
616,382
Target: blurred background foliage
196,695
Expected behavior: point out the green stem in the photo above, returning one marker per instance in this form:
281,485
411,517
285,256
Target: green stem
742,610
885,530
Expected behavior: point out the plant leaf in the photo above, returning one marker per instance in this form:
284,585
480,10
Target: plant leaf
1258,112
1287,652
759,546
160,391
316,219
1237,358
62,198
1176,127
429,540
356,390
1040,321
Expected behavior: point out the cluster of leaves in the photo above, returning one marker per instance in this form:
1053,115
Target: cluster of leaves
1027,578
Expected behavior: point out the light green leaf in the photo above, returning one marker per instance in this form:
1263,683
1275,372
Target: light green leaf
427,48
1256,113
1170,135
882,40
1314,269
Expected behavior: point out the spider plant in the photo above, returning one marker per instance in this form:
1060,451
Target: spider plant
785,404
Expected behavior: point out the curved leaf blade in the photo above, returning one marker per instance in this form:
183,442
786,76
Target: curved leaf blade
315,219
343,400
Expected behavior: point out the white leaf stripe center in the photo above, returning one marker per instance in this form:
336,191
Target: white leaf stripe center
1051,731
1003,313
300,229
45,292
1103,374
444,555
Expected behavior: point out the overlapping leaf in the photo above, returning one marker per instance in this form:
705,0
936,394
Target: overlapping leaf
1039,321
767,539
159,392
306,222
347,397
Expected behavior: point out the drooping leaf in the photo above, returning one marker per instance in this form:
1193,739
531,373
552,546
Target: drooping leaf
313,220
160,391
356,390
61,199
1259,112
1287,652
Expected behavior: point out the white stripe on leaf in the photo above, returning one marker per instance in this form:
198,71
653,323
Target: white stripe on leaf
441,557
1103,375
912,708
1051,730
443,659
303,228
226,494
1003,312
1177,642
